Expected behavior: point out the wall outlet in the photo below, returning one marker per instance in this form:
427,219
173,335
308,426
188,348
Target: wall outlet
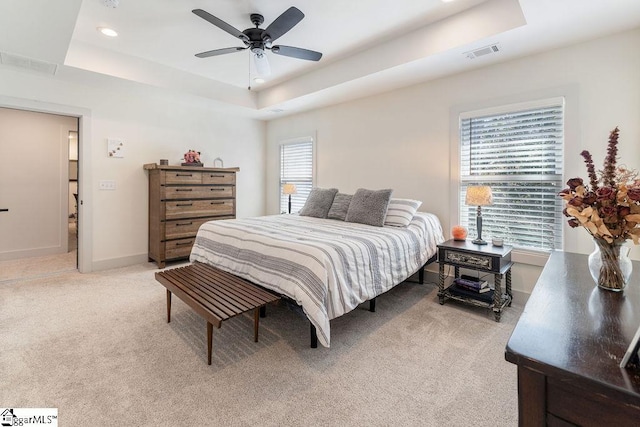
107,184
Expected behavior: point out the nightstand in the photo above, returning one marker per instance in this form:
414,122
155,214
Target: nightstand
491,259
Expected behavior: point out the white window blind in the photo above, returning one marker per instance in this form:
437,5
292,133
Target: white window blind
296,167
519,155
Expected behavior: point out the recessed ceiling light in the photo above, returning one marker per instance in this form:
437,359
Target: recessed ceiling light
258,80
109,32
447,1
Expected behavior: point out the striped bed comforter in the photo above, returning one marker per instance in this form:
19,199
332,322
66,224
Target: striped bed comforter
328,267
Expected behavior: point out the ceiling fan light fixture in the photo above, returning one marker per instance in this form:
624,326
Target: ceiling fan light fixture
109,32
262,63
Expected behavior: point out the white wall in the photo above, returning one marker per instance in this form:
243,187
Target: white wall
403,139
154,124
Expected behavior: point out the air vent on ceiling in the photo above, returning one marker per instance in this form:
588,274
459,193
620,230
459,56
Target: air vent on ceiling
486,50
28,63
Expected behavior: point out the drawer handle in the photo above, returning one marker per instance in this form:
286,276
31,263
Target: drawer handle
182,225
218,189
217,176
184,244
184,189
217,203
184,174
184,204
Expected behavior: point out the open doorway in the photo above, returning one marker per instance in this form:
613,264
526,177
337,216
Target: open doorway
37,183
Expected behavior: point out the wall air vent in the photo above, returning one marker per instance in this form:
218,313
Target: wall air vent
486,50
28,63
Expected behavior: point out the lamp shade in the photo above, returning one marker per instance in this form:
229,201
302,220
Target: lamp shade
479,195
289,189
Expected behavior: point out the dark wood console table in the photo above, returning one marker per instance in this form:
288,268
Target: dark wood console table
568,345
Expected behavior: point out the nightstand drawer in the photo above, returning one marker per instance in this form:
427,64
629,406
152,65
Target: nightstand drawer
475,261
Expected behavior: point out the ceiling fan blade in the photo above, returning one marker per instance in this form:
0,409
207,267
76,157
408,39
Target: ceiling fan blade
217,52
297,52
283,23
220,24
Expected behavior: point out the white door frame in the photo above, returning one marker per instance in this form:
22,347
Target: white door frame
85,222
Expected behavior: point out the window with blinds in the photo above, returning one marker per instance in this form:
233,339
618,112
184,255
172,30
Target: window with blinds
296,167
519,154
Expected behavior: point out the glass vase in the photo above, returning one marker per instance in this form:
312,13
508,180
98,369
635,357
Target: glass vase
610,265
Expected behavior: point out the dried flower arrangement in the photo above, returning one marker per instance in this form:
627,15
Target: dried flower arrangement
609,206
609,209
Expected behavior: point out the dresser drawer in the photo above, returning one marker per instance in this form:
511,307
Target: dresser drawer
178,248
182,228
183,177
197,192
218,178
198,208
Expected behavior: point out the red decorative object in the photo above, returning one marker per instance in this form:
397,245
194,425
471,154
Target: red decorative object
459,232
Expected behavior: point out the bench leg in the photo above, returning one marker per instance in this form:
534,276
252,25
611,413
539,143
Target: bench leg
256,323
372,305
263,311
209,340
168,306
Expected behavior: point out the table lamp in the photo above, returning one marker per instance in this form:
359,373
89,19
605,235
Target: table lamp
479,195
289,189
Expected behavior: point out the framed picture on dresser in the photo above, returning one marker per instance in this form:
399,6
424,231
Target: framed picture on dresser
631,357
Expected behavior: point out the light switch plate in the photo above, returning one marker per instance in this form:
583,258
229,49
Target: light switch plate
107,184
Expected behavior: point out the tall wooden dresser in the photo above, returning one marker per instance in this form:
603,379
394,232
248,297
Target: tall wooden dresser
181,199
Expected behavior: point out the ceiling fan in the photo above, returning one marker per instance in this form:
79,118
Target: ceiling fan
259,40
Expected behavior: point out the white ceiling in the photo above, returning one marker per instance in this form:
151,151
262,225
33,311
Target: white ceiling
368,46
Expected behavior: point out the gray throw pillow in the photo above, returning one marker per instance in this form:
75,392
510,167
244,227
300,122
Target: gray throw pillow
369,207
340,206
319,202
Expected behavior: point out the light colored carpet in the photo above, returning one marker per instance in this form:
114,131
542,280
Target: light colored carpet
25,268
97,347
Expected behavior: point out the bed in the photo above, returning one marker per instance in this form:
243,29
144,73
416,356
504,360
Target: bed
327,267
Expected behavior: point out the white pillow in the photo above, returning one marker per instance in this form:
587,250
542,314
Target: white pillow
401,212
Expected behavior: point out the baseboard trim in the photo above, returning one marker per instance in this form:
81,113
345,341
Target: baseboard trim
107,264
32,253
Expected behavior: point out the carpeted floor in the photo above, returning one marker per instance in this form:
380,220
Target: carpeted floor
25,268
97,347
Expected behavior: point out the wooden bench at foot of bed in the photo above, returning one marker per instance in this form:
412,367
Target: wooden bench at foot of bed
215,295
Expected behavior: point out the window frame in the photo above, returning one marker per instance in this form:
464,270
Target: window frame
293,141
530,256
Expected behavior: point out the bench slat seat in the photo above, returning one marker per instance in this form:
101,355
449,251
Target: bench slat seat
214,294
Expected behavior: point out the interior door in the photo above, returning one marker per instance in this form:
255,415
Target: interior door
34,188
